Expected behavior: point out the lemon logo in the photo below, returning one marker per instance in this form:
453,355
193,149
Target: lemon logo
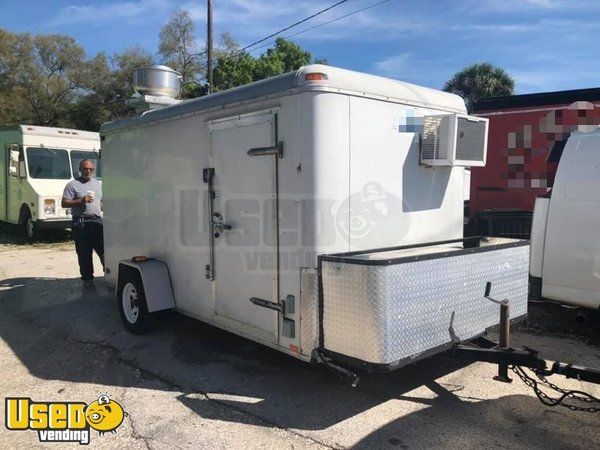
104,415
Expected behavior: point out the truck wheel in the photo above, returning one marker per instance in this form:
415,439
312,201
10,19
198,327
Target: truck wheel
30,227
133,307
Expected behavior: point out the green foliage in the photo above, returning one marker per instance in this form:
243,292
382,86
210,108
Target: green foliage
480,81
235,68
46,79
38,77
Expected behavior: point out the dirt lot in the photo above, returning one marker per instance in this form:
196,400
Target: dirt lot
190,385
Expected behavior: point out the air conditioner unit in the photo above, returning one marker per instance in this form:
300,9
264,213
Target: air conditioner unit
454,140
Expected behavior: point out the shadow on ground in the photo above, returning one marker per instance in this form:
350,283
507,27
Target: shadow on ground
547,316
14,235
60,332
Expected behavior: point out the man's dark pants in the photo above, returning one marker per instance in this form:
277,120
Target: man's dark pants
88,236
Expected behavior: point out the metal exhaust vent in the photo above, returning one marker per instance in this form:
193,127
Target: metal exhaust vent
155,87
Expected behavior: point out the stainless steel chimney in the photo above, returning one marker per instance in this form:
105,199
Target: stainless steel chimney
157,81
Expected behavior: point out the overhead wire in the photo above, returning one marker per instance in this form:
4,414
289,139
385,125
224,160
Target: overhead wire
293,25
242,50
325,23
282,30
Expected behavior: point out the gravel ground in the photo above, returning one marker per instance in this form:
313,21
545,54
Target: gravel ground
191,385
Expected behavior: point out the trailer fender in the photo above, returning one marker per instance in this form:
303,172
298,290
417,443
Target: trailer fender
156,282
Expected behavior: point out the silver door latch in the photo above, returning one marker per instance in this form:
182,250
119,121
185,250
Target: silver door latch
217,225
265,151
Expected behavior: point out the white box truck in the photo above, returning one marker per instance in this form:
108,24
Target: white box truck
319,213
565,249
35,165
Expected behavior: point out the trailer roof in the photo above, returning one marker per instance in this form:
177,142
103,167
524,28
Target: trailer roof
538,99
37,130
337,80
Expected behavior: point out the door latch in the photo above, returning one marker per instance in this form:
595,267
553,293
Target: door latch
276,150
217,225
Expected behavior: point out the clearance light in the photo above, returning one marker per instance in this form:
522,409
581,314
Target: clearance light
315,77
139,259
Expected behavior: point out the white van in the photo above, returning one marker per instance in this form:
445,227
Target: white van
35,165
565,248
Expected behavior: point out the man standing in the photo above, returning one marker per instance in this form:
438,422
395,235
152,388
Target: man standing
84,196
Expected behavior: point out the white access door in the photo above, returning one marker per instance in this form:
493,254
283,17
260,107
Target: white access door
245,189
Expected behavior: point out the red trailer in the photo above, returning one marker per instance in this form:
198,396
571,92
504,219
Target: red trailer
526,136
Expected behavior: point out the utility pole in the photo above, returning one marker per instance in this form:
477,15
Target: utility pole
209,46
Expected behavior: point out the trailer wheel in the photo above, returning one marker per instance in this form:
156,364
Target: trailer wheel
133,307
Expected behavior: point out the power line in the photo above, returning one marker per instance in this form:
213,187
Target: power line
293,25
325,23
242,50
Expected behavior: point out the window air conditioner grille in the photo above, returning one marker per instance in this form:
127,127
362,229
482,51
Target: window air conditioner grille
435,137
470,140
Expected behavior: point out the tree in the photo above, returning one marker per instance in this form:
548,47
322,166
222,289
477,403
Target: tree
235,67
93,106
233,70
108,84
480,81
39,83
227,45
177,46
15,65
284,57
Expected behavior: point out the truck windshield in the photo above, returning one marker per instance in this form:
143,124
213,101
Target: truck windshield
79,155
48,163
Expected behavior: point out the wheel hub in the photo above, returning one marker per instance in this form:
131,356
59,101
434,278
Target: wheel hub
130,303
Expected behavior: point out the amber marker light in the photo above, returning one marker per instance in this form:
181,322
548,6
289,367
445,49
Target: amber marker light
315,77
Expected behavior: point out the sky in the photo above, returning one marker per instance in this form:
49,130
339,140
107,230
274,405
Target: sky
545,45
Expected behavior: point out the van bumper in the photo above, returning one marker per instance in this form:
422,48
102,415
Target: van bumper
54,224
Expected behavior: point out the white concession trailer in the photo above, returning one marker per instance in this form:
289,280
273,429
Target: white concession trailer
319,212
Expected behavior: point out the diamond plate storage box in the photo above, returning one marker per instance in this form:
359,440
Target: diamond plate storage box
395,306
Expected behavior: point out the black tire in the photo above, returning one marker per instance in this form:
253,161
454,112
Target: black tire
132,304
29,227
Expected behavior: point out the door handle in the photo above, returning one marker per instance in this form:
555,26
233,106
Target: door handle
263,151
266,304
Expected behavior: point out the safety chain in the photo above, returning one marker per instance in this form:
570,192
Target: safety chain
571,394
559,401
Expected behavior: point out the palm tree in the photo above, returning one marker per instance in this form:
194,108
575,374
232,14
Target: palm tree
480,81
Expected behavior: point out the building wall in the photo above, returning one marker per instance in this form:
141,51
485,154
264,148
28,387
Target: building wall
519,142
